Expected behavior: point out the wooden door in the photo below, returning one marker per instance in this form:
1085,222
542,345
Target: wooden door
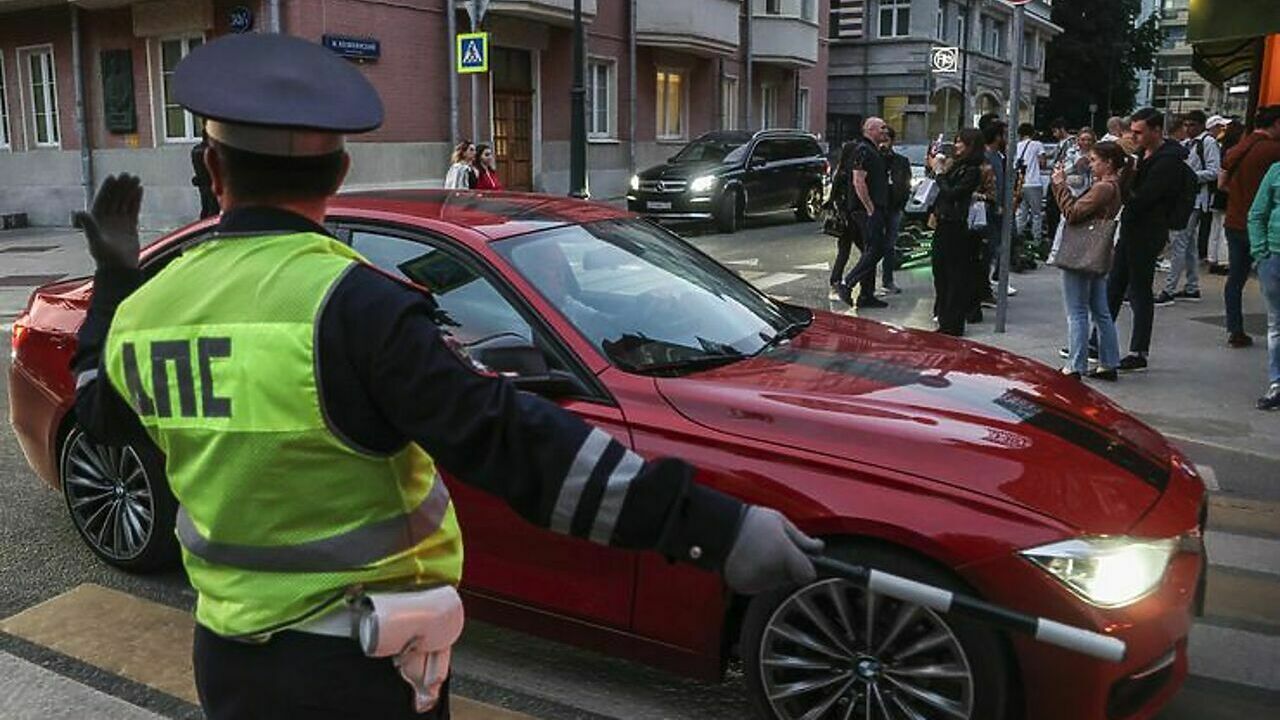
513,138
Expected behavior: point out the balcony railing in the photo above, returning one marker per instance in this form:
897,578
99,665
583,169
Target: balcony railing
785,32
702,27
556,12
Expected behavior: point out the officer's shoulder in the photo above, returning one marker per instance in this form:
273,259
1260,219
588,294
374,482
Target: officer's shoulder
369,288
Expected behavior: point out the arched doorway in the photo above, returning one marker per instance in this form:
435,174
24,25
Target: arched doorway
944,118
987,103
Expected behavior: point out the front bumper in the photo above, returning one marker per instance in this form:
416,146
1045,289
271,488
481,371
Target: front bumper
670,206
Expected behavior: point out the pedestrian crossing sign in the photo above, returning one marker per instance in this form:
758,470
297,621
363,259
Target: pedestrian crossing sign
473,52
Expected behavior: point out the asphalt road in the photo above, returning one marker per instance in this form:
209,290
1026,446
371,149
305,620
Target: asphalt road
41,557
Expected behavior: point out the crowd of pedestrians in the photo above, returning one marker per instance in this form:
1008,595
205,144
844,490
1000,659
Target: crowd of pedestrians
1184,188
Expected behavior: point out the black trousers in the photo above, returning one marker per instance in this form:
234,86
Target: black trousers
874,247
956,255
1132,273
299,675
854,234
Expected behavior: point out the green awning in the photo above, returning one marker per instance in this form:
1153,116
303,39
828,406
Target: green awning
1226,35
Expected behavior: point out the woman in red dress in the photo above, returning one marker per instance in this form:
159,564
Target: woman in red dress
486,170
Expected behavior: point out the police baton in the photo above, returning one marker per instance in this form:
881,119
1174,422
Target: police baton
1087,642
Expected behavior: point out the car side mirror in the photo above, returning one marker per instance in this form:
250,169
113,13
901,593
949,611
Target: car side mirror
526,367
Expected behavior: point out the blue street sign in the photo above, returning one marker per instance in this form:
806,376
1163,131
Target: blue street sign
473,52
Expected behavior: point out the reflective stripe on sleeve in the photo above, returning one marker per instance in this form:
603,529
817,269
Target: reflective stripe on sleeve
350,550
86,377
615,492
575,480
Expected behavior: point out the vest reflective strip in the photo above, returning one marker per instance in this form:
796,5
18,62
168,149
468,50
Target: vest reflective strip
351,550
576,479
615,492
86,377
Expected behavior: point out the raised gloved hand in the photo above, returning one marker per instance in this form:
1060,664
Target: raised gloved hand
112,228
770,552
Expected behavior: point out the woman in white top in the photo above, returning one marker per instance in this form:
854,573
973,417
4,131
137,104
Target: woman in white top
462,173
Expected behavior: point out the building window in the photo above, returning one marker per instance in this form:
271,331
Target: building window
893,109
4,108
600,99
772,7
179,125
670,104
962,27
729,103
940,28
1029,49
768,106
895,18
802,109
809,10
993,36
42,76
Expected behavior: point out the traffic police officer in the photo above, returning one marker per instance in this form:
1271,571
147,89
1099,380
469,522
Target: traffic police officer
304,403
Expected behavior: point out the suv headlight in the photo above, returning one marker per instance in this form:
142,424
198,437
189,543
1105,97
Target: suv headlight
635,182
703,184
1106,571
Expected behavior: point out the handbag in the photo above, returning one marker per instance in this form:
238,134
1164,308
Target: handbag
977,214
1087,246
926,193
835,222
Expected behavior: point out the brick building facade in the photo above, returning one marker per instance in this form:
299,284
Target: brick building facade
690,77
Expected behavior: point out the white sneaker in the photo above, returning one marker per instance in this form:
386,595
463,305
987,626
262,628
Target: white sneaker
1012,291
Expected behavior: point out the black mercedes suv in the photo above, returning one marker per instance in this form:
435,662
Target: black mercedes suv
726,175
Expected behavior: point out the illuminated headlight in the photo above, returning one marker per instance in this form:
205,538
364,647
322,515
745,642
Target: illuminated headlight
1106,571
635,182
703,184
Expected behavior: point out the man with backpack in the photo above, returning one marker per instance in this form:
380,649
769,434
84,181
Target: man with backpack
1162,197
1204,159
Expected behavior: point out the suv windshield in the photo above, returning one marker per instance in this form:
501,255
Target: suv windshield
706,150
646,299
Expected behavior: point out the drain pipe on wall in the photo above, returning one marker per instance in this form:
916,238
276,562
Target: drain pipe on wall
451,16
273,22
82,128
631,87
750,53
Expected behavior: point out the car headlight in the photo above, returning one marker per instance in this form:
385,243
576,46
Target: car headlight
1106,571
703,184
635,182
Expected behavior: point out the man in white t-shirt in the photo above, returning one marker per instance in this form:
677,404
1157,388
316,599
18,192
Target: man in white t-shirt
1027,161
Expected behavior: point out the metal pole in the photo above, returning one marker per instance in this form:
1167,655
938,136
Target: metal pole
451,17
1006,227
964,66
578,126
82,127
475,92
273,22
631,88
748,113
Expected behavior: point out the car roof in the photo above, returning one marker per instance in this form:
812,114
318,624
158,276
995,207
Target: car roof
495,215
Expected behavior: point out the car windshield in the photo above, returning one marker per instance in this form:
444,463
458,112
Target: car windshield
646,299
706,150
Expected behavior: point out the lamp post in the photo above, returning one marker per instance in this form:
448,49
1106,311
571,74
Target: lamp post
578,95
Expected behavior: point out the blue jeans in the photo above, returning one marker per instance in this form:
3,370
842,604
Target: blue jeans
1085,298
1269,277
892,221
1184,256
1237,276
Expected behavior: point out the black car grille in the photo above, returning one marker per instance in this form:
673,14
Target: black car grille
663,186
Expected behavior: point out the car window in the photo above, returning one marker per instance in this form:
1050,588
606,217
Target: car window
798,148
470,308
770,150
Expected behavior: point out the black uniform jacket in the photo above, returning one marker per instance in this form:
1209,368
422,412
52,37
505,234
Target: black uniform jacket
388,378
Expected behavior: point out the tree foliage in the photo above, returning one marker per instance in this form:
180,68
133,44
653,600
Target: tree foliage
1096,59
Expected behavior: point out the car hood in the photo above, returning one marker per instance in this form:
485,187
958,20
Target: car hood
681,171
952,411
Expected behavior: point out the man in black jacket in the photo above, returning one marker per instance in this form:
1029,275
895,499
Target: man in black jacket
1144,229
899,193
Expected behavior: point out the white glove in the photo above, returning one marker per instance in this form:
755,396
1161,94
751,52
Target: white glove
112,229
769,553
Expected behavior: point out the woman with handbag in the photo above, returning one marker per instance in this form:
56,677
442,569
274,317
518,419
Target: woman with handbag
1084,254
956,244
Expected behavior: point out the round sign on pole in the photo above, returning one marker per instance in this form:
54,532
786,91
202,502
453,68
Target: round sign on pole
944,59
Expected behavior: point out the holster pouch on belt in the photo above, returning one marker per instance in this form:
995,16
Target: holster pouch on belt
419,630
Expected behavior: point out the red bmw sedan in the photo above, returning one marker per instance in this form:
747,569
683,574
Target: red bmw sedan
943,460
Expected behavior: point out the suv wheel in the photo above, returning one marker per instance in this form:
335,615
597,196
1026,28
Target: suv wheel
728,215
810,207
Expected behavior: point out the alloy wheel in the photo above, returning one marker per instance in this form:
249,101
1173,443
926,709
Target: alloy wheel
835,651
813,202
109,495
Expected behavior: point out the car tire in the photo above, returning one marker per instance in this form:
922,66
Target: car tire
810,207
120,503
728,215
793,666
